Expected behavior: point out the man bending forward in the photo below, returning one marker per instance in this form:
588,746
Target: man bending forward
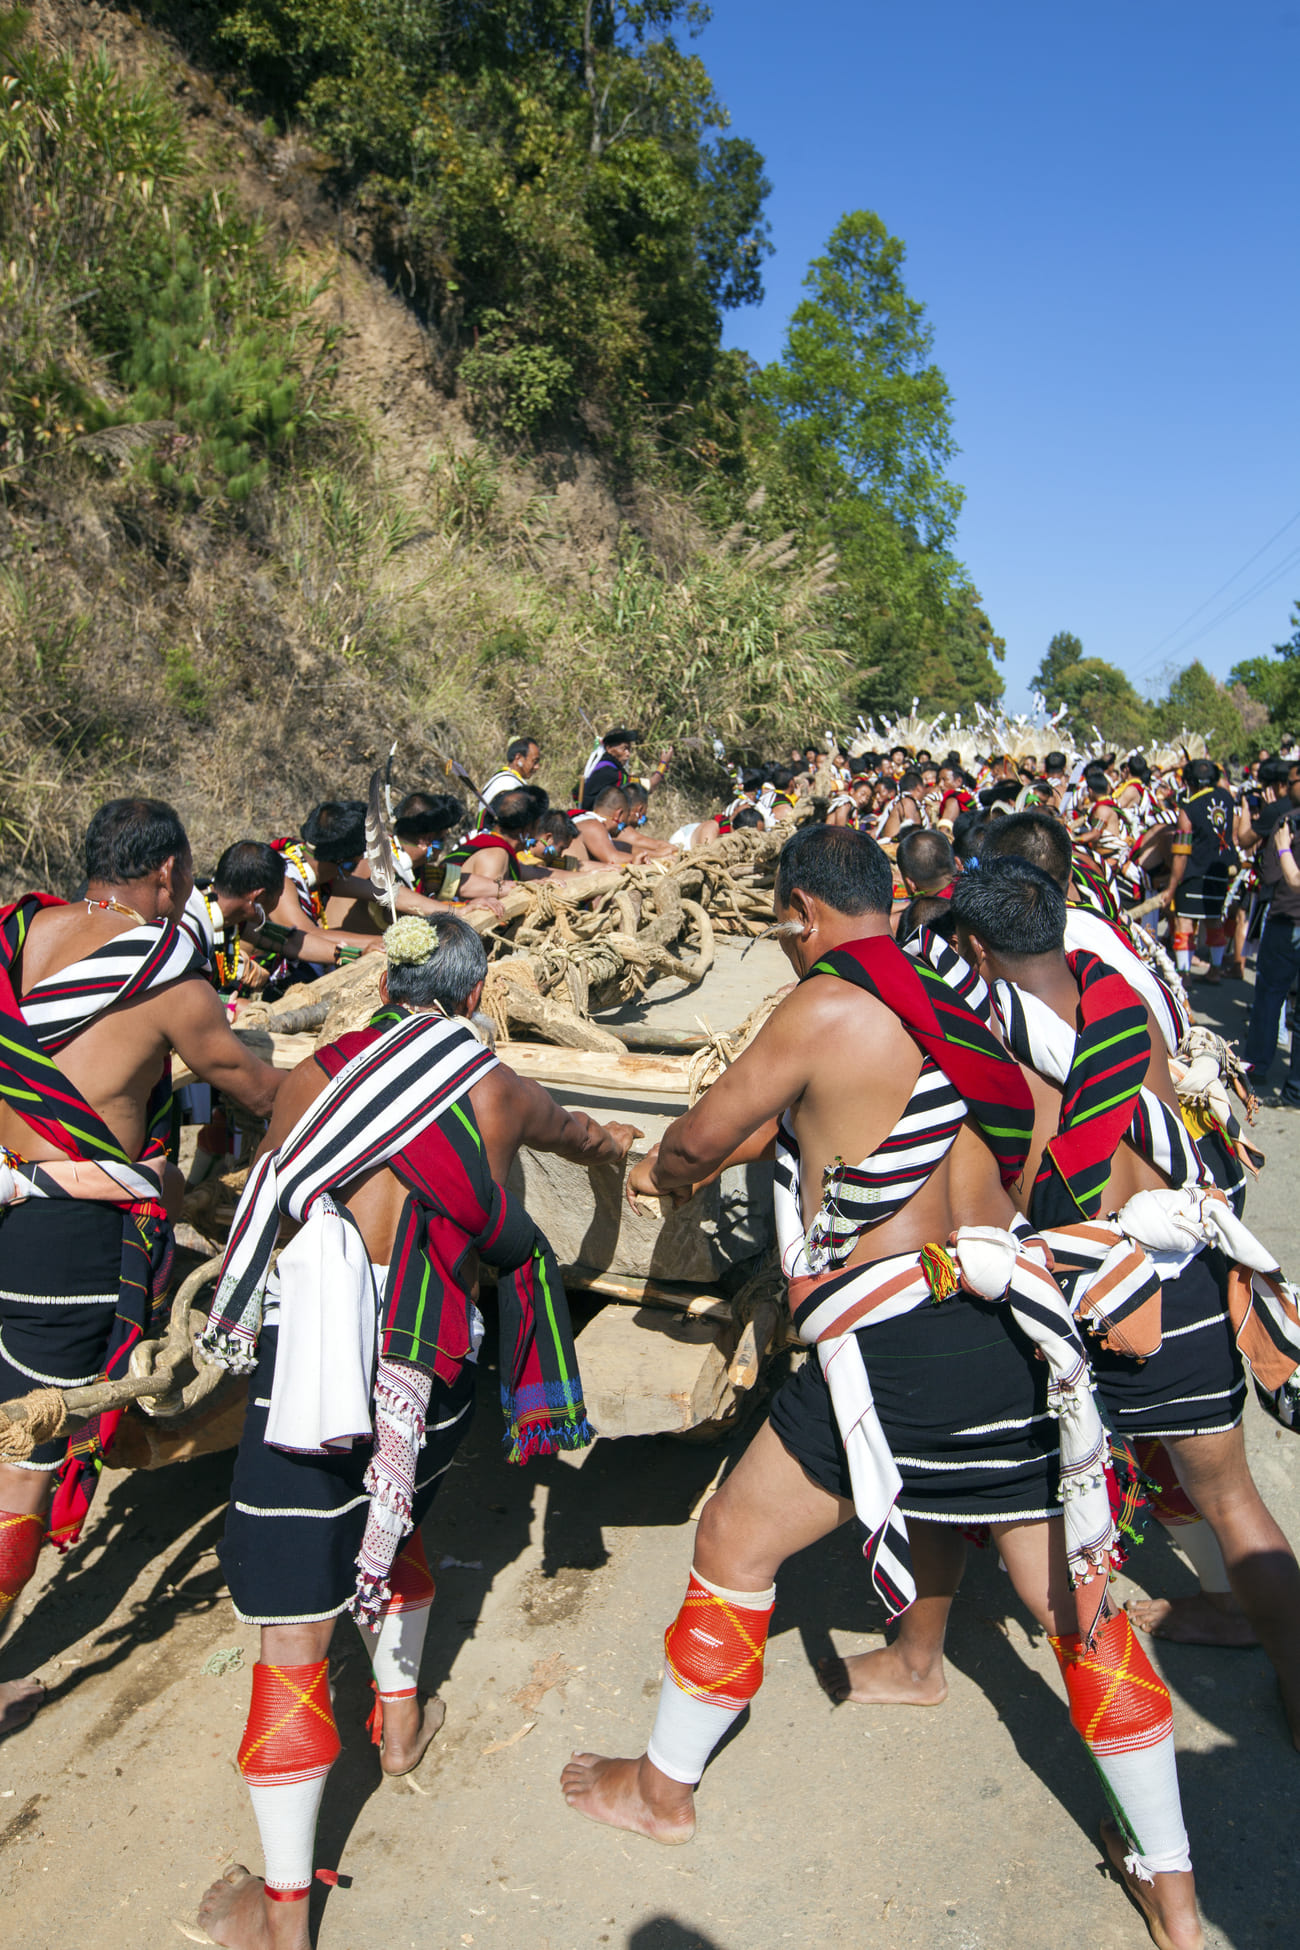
924,1403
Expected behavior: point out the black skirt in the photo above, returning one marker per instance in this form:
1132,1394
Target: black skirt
962,1401
1203,899
295,1523
1195,1384
60,1269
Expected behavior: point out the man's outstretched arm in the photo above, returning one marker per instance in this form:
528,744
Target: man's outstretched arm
196,1025
747,1098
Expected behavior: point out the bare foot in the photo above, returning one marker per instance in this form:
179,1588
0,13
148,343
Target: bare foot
882,1678
1168,1903
235,1912
630,1794
408,1728
1205,1618
19,1700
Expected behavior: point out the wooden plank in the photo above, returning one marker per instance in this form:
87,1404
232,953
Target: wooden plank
699,1303
651,1076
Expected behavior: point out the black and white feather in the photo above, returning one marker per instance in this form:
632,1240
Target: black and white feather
379,847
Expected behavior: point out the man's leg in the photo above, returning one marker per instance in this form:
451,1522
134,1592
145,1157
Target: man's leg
768,1509
290,1743
909,1671
400,1726
1210,1616
1261,1565
1121,1710
24,1513
1275,969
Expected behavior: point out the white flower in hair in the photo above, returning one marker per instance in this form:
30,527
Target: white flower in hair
409,941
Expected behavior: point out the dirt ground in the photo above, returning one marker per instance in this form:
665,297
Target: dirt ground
965,1827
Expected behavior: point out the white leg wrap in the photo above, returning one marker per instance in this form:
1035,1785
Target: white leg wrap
686,1730
688,1727
1200,1547
396,1650
1148,1780
286,1820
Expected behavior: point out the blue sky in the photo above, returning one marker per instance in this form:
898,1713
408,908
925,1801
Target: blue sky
1100,211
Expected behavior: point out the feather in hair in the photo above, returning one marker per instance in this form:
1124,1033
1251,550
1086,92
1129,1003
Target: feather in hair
379,847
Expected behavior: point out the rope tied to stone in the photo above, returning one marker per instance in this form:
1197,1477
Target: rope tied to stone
45,1418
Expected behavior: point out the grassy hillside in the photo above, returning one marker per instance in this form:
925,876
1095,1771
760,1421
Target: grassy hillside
246,538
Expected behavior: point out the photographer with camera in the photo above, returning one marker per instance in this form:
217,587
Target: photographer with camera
1278,962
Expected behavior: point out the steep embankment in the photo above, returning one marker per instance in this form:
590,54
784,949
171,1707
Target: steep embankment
391,577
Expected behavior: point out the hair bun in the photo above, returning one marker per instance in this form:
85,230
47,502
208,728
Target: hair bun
409,941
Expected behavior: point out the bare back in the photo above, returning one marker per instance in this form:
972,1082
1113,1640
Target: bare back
117,1059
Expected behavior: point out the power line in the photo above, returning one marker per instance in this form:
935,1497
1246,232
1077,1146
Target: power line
1191,618
1242,601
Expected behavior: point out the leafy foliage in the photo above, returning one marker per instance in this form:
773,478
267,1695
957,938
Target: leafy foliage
1198,702
128,294
547,179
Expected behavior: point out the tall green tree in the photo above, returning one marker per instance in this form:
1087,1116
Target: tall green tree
1196,701
1098,695
1063,650
866,414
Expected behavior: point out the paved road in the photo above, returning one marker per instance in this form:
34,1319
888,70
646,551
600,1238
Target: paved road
962,1828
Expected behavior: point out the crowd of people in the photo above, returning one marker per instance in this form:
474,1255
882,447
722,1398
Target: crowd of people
1010,1177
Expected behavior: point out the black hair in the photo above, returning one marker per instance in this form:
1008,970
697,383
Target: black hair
924,855
129,838
1275,771
968,830
423,815
1200,772
516,810
620,735
751,777
909,782
1054,762
520,748
833,864
1013,906
931,911
1004,793
1032,836
634,790
249,866
555,825
1096,780
952,762
1136,767
779,776
606,798
746,817
336,830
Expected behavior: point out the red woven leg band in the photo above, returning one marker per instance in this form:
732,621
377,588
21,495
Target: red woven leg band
1170,1501
714,1648
287,1895
290,1735
21,1537
411,1581
1118,1702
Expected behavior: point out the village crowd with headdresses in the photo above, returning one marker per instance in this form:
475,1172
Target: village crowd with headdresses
995,936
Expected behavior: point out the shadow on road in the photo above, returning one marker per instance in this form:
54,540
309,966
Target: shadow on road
666,1933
